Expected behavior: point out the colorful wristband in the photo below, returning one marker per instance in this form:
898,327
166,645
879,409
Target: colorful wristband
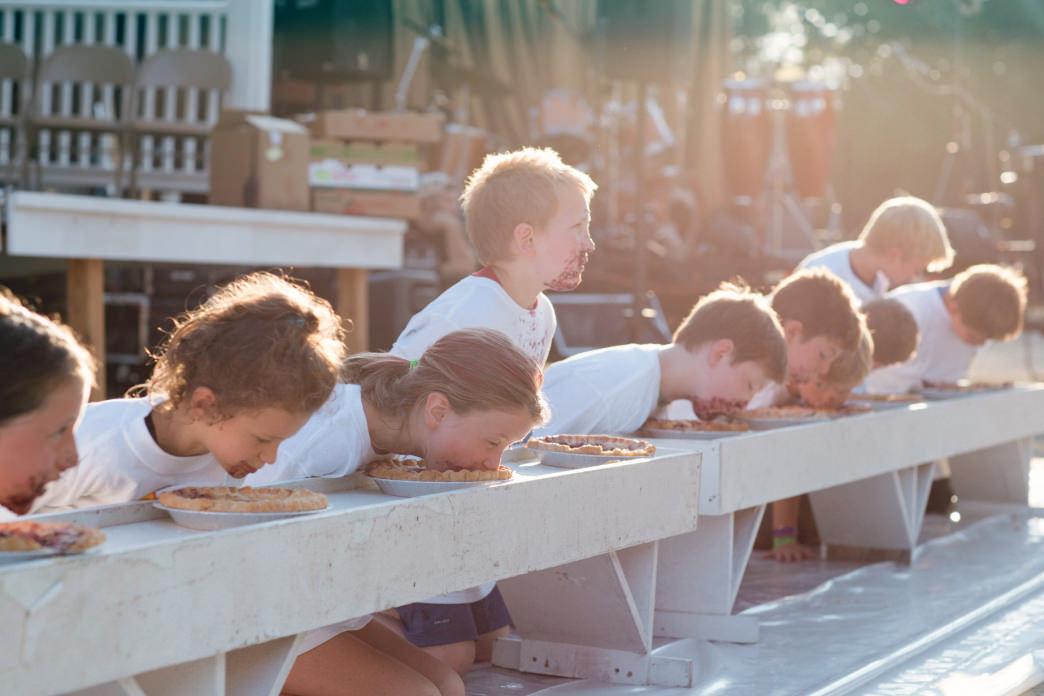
783,541
784,532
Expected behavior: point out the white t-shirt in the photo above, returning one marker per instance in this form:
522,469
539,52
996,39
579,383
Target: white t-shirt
120,462
334,442
836,258
941,356
772,394
7,515
480,302
609,390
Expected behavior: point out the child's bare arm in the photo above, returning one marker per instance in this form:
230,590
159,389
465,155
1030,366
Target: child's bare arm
785,547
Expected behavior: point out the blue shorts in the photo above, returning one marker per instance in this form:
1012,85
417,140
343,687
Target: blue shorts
440,624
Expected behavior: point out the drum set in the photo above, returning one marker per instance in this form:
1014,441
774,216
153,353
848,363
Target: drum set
778,143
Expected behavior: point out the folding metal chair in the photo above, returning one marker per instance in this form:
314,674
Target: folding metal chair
195,81
86,91
14,100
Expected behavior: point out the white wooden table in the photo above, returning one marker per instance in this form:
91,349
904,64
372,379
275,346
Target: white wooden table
165,611
868,477
89,230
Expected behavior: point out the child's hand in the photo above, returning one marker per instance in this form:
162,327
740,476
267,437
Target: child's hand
791,553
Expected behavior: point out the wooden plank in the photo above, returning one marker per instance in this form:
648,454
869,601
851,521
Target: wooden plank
261,670
353,306
84,291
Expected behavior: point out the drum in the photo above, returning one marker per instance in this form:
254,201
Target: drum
462,150
746,135
811,133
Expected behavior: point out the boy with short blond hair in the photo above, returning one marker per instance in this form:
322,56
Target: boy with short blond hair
903,237
729,346
956,317
894,330
527,215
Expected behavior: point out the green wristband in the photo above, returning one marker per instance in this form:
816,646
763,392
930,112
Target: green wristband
780,541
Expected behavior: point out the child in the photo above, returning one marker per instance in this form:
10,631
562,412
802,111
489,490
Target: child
956,318
729,347
820,322
237,376
903,237
45,377
894,330
527,215
467,398
845,374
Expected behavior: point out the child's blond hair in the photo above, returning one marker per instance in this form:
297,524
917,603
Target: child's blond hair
851,367
511,188
261,341
822,303
912,226
894,329
991,300
743,317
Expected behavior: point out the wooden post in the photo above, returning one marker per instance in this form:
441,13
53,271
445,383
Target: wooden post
353,303
84,291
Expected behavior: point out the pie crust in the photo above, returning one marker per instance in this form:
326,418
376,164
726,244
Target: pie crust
62,537
965,386
803,412
604,445
894,398
414,470
720,424
245,499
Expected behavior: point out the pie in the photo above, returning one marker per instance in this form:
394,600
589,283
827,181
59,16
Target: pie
710,409
60,537
802,412
604,445
965,386
721,424
885,397
245,499
414,470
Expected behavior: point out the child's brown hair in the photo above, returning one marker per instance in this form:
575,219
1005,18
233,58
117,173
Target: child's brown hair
511,188
822,303
476,369
743,317
914,227
894,329
851,367
991,300
261,341
36,356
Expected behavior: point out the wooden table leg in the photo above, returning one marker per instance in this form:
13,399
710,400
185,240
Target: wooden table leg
84,290
353,303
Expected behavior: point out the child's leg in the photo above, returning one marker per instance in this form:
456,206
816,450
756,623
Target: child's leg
484,644
378,636
492,621
347,666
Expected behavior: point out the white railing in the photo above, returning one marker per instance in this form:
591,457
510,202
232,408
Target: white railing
141,28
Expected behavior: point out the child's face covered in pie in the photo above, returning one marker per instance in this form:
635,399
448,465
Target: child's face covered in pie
247,441
820,394
37,446
475,440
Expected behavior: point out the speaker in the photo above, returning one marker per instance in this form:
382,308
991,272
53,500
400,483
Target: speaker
333,40
645,41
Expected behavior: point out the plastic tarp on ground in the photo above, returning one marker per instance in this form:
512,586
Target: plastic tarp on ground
970,605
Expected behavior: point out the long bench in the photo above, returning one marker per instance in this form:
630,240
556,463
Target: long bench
167,611
868,477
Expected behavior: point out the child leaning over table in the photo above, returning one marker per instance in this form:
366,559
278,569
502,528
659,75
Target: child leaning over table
730,346
528,216
468,397
237,376
45,377
820,321
956,318
903,237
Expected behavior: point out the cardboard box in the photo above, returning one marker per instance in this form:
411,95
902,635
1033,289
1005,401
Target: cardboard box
394,204
359,124
257,161
333,174
362,152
